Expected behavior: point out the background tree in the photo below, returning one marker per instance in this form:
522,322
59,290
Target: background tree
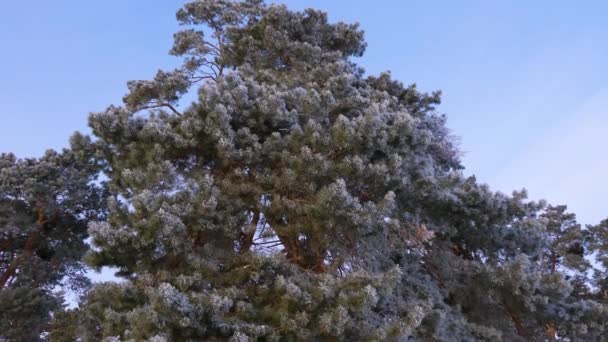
299,199
566,241
599,246
45,205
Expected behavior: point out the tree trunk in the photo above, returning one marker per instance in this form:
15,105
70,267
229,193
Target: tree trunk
246,238
551,331
521,330
28,250
303,254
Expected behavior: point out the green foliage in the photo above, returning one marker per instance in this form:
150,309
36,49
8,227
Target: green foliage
45,205
299,199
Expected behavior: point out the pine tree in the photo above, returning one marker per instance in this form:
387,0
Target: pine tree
599,246
45,205
566,241
299,199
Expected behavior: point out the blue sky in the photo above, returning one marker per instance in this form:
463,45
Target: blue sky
525,82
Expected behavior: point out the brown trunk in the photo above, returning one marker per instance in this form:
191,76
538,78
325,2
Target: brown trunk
553,262
291,250
8,273
5,244
521,331
299,252
246,239
302,255
551,331
462,252
28,250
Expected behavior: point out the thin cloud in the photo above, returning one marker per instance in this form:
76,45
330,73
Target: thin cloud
568,164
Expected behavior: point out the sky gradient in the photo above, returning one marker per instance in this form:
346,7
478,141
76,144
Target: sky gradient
525,83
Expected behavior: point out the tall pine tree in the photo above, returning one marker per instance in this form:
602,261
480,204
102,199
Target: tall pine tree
300,199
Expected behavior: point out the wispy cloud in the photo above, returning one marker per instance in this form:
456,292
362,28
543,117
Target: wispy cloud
569,163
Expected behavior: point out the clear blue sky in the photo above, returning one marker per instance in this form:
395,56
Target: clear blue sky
525,82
